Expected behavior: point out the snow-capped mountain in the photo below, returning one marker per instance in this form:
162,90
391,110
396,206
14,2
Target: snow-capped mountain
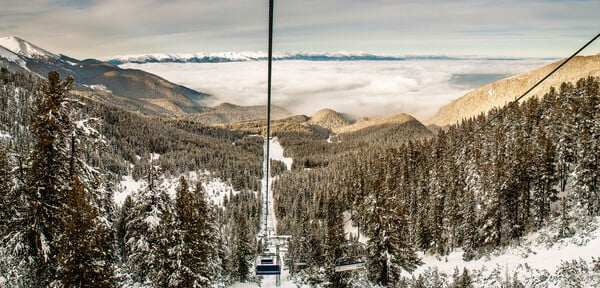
257,56
24,48
11,57
135,89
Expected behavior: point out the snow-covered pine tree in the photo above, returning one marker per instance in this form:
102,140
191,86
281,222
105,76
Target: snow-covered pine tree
389,249
587,170
47,180
187,248
334,238
190,221
84,250
162,263
141,229
12,262
125,216
545,179
242,249
564,119
8,201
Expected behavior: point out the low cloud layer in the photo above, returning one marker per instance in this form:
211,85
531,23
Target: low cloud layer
361,88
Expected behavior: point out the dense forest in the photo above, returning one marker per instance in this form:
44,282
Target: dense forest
61,159
528,169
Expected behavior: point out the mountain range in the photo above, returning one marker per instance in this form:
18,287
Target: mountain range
151,95
132,89
258,56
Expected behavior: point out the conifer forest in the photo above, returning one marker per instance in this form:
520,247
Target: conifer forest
534,168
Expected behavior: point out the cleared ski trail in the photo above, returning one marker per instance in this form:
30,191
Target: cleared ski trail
269,222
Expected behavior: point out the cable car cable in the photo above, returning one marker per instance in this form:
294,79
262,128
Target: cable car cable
269,73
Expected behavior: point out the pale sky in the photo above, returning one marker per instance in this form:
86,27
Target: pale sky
101,29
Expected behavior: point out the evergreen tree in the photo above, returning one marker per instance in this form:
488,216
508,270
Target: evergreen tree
389,249
47,178
84,249
242,249
162,262
142,228
8,199
334,238
545,180
461,280
187,243
125,216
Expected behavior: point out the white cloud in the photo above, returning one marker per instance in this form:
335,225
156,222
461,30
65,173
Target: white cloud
362,88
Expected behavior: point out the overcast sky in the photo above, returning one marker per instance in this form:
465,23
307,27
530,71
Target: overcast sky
104,28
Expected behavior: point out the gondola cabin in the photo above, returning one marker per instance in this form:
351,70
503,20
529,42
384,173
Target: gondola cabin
268,264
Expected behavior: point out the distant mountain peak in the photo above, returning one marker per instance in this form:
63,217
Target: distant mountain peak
328,118
398,119
24,48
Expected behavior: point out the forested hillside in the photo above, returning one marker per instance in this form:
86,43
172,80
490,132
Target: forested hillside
534,166
61,161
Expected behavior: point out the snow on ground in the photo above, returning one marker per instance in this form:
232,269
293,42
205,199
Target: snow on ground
276,153
534,253
12,57
352,231
99,87
22,47
215,188
126,187
4,134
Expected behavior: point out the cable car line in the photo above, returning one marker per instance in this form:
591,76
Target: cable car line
269,76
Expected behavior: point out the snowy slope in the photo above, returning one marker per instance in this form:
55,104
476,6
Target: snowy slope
276,153
24,48
215,188
533,261
12,57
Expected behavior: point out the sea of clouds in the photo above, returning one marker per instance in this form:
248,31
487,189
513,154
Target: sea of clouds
360,88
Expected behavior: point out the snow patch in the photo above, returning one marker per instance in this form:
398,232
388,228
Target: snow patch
353,231
276,153
154,156
217,190
127,187
99,87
